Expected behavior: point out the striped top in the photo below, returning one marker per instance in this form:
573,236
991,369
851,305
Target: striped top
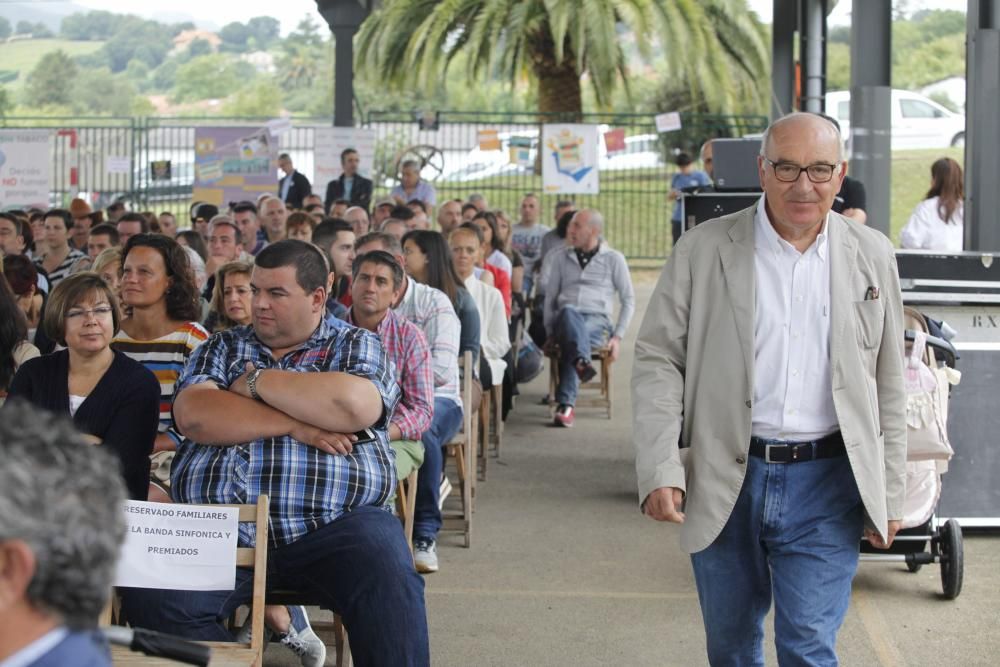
65,267
165,356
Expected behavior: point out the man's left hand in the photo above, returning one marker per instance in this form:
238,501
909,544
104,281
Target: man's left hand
614,346
876,540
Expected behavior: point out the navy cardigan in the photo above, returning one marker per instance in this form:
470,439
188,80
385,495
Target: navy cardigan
123,410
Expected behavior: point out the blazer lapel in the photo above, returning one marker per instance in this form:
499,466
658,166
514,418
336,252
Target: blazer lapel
843,260
737,265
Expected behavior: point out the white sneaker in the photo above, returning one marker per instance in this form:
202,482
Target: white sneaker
243,636
445,492
302,640
425,555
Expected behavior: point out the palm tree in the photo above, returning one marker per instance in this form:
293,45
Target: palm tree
716,46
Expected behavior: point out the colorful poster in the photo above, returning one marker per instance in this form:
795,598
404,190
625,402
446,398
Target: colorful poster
489,140
569,159
25,168
330,142
614,140
520,151
234,164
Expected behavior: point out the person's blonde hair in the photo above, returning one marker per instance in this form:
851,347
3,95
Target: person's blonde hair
70,291
107,257
223,321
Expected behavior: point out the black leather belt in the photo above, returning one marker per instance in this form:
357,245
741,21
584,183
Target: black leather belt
782,451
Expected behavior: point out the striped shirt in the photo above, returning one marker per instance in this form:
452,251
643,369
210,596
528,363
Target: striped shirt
431,310
308,487
165,356
407,349
65,267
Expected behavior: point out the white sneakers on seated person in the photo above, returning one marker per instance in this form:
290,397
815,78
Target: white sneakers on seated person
300,638
425,555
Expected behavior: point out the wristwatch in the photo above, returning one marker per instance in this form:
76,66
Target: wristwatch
252,383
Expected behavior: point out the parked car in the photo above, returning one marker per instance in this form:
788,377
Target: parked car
641,151
917,122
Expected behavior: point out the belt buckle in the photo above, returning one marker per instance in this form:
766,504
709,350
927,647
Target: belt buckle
767,452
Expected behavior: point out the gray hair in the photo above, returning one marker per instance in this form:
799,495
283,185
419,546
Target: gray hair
389,242
797,116
409,164
475,196
64,499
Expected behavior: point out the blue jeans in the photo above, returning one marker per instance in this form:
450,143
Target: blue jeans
359,566
794,535
445,424
577,334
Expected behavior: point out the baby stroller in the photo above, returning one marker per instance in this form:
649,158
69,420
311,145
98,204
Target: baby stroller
930,372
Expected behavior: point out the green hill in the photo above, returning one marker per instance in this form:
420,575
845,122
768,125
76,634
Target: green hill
22,56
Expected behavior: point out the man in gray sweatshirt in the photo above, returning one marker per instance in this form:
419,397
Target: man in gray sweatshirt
584,278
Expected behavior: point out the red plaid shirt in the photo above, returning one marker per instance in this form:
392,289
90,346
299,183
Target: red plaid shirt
409,353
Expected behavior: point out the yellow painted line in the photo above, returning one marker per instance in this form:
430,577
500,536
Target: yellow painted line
604,595
878,630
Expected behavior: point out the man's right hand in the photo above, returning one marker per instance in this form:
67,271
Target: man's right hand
664,504
326,441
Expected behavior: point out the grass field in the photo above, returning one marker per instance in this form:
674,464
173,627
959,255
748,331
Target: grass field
22,56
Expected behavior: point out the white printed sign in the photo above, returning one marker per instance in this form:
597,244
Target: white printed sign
569,159
329,143
179,547
117,164
25,177
668,122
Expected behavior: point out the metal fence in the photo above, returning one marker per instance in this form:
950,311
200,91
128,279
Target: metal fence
107,159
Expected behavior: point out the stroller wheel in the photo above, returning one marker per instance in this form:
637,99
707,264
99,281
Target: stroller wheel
914,567
952,561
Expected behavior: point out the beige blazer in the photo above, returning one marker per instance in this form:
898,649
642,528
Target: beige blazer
692,382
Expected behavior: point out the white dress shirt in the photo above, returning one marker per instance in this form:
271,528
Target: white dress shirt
925,230
793,391
494,337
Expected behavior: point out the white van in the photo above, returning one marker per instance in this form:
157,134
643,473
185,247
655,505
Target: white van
917,122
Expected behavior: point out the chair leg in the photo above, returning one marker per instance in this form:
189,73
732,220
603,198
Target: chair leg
497,420
343,647
485,411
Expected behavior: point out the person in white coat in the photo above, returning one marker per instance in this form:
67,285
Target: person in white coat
937,221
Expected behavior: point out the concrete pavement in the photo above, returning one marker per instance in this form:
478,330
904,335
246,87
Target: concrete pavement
564,570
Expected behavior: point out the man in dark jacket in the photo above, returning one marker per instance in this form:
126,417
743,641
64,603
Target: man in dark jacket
293,187
351,185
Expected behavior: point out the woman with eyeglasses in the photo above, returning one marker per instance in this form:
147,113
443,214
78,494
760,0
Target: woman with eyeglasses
112,399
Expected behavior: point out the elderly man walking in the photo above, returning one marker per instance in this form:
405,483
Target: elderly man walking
584,280
768,399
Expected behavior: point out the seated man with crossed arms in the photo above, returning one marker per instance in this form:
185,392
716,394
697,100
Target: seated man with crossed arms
272,409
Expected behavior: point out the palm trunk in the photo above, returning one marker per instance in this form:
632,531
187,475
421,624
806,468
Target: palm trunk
559,89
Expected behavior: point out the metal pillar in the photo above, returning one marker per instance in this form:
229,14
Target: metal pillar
785,19
344,18
812,53
871,96
982,126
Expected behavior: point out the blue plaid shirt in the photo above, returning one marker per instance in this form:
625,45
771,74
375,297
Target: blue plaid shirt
308,488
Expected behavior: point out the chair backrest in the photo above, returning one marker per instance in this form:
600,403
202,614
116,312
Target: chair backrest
248,557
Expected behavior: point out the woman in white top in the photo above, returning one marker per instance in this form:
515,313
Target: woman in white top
492,243
937,221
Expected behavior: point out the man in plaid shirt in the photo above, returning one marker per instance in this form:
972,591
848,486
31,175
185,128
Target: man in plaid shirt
376,285
273,409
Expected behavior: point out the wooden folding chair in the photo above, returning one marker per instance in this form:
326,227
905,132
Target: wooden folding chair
462,449
226,653
406,503
602,383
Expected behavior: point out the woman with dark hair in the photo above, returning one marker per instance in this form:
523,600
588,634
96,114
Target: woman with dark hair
493,248
937,221
193,240
230,297
427,259
111,399
161,330
14,346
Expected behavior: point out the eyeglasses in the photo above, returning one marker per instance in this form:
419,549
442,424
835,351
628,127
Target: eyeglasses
83,314
789,172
